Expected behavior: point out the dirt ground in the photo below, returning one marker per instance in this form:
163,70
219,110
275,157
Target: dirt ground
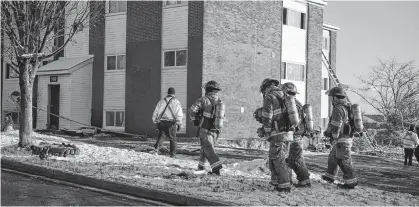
376,172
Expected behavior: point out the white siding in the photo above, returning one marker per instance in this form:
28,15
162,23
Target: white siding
325,74
65,102
114,83
79,45
115,34
325,105
176,78
81,96
293,44
175,27
175,36
114,89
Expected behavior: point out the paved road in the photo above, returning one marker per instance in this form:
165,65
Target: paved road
19,190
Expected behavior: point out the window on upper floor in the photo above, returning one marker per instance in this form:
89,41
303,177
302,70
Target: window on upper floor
175,58
115,62
294,18
326,43
10,72
326,84
115,118
117,6
292,71
170,3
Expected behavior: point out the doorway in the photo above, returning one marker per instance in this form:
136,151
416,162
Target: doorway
53,106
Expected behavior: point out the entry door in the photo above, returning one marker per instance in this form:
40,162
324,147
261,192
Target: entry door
54,106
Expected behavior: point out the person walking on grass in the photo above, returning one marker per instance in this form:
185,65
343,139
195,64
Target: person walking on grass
168,117
410,141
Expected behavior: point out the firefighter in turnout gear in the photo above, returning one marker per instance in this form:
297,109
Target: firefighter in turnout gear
203,115
340,131
280,119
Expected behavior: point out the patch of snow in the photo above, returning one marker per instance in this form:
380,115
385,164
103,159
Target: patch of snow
244,183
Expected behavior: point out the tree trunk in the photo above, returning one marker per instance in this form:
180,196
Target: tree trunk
25,118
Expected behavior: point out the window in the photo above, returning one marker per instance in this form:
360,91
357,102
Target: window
115,118
175,58
326,84
10,72
291,71
169,3
117,6
326,44
115,62
294,18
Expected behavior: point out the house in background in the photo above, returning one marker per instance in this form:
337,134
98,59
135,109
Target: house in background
124,64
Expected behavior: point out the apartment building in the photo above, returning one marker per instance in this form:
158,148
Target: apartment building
115,72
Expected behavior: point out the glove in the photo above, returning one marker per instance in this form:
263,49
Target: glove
178,127
326,134
196,122
260,132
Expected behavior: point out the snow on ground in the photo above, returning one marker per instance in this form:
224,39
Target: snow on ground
243,183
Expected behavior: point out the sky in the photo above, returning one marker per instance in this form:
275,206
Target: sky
370,30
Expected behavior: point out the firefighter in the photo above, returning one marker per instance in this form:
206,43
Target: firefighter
202,115
279,131
340,133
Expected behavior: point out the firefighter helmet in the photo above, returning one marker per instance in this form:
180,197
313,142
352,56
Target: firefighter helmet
212,85
289,88
266,83
337,91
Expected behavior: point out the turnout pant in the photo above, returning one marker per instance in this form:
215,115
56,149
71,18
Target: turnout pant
408,154
417,153
168,129
340,155
281,166
207,140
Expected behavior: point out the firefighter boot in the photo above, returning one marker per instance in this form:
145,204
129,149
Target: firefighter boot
330,180
348,186
283,190
215,171
303,184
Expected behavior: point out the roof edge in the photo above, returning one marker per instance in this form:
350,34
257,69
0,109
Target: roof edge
81,64
321,3
330,27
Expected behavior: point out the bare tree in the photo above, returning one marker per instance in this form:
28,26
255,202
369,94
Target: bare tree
30,29
392,88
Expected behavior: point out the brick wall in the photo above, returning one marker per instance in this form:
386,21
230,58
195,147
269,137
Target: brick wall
314,60
195,49
241,47
97,48
143,73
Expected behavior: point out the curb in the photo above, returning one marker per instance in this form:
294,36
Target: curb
162,196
